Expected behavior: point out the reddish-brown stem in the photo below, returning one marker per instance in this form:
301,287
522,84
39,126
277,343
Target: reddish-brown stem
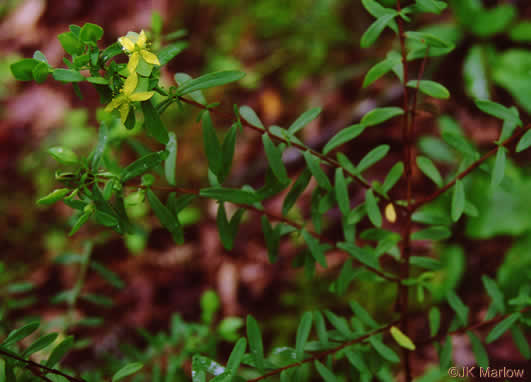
470,168
281,219
324,158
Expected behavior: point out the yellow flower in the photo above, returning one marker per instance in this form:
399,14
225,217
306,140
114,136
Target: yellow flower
123,101
134,44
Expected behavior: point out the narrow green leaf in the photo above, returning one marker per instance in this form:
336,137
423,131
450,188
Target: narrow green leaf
341,191
169,52
498,300
377,10
233,195
303,333
227,149
445,356
363,255
393,176
327,375
434,318
108,275
458,306
317,172
459,143
425,262
212,145
498,111
250,116
343,136
458,200
402,339
153,124
499,168
296,190
255,342
373,211
340,323
372,157
171,161
524,142
82,219
375,29
386,352
181,78
60,351
432,233
67,75
521,342
431,6
380,115
430,170
304,119
40,344
315,248
127,370
377,71
209,80
431,88
167,219
20,333
475,71
236,356
320,327
428,39
502,327
274,156
53,197
143,165
63,155
363,315
101,146
480,353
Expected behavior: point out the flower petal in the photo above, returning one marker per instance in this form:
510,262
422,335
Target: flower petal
127,44
124,112
115,102
149,57
133,63
141,96
142,39
130,84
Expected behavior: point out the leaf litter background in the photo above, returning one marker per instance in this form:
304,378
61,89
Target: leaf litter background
296,56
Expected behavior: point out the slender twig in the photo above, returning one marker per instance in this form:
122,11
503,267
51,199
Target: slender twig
31,365
470,168
278,218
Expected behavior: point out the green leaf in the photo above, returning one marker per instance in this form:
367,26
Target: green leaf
20,333
458,200
393,176
434,317
153,124
386,352
255,342
339,323
375,29
377,71
524,142
475,71
428,168
363,315
431,6
459,143
71,43
425,262
91,32
521,32
67,75
171,161
498,111
212,145
489,22
521,342
327,375
209,80
127,370
315,247
363,255
23,69
63,155
377,10
317,172
82,219
343,136
53,197
480,353
303,333
341,191
304,119
502,327
181,78
458,306
402,339
143,165
227,230
236,356
380,115
233,195
60,351
428,39
431,88
40,344
166,217
250,116
227,149
445,357
171,51
372,157
296,190
499,168
108,275
372,209
272,238
320,327
40,72
432,233
274,156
